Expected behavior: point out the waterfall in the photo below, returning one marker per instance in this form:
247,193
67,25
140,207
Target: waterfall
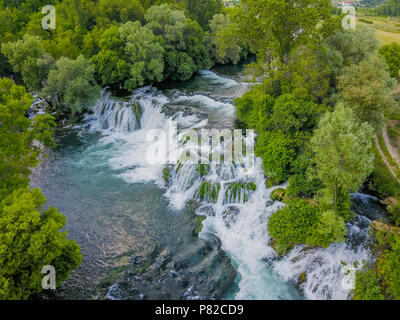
232,196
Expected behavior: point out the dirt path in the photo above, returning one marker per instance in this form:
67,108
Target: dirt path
384,158
392,150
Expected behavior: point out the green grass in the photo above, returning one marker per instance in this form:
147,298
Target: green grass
387,30
388,156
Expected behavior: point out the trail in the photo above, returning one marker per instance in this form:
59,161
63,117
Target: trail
392,150
384,158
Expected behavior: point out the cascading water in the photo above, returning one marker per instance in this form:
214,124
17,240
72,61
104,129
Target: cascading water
233,197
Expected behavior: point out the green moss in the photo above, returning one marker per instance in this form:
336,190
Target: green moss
178,168
209,191
166,174
271,181
199,225
239,192
145,266
203,169
137,109
302,277
278,194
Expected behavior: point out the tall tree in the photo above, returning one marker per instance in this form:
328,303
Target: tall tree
18,151
72,83
30,239
203,10
367,88
343,154
275,28
28,57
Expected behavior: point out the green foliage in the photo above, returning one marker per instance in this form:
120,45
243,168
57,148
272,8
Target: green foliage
301,222
118,11
72,81
203,169
391,53
294,223
185,52
233,53
209,191
144,53
278,194
353,46
203,10
273,29
367,88
131,55
18,152
28,57
278,152
343,153
367,286
285,125
30,239
330,228
394,215
254,108
239,192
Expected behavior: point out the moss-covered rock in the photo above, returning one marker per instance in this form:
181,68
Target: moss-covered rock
281,248
203,169
238,192
271,181
199,225
138,111
209,191
278,194
302,278
166,174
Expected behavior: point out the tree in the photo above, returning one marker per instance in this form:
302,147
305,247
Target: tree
391,53
30,239
293,224
232,54
28,57
18,151
130,55
145,55
121,11
330,228
274,28
367,88
185,52
354,46
343,154
203,10
73,83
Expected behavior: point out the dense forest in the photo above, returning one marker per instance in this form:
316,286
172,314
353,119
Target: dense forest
319,95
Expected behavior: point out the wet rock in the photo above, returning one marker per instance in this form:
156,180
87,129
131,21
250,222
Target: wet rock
171,110
278,194
230,215
206,210
368,206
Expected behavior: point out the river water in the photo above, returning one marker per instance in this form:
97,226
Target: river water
137,233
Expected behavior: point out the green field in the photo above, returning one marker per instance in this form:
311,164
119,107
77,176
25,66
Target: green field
387,28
